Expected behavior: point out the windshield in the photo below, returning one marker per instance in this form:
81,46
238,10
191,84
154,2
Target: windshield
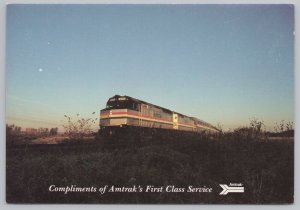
122,104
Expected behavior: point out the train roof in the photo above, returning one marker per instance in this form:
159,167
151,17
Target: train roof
144,102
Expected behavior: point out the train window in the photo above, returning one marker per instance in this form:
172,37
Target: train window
135,106
122,104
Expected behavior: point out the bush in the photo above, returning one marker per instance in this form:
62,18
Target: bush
78,128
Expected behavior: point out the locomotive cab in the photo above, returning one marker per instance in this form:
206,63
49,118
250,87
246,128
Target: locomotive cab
121,102
118,111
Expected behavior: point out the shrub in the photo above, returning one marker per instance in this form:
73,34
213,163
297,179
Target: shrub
77,128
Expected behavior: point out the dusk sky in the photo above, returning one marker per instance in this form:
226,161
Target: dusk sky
220,63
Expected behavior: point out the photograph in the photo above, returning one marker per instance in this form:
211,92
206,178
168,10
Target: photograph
149,103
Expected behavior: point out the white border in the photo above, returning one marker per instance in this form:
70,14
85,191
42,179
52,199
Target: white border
3,204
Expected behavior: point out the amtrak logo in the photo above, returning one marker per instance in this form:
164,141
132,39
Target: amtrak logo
232,188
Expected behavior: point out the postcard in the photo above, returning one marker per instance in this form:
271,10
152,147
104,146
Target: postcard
150,103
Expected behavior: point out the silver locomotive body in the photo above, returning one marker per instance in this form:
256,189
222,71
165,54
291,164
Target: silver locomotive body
127,111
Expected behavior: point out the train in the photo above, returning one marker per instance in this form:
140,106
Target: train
126,111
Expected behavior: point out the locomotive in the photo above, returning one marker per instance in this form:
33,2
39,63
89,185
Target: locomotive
125,111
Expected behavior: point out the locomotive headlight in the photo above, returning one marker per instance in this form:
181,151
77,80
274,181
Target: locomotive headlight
122,99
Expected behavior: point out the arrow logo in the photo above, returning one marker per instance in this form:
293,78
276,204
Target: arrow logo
227,189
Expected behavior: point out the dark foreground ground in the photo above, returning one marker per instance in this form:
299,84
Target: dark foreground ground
265,168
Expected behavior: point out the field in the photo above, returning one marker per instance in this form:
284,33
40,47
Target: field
264,167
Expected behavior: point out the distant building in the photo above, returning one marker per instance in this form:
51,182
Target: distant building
31,131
